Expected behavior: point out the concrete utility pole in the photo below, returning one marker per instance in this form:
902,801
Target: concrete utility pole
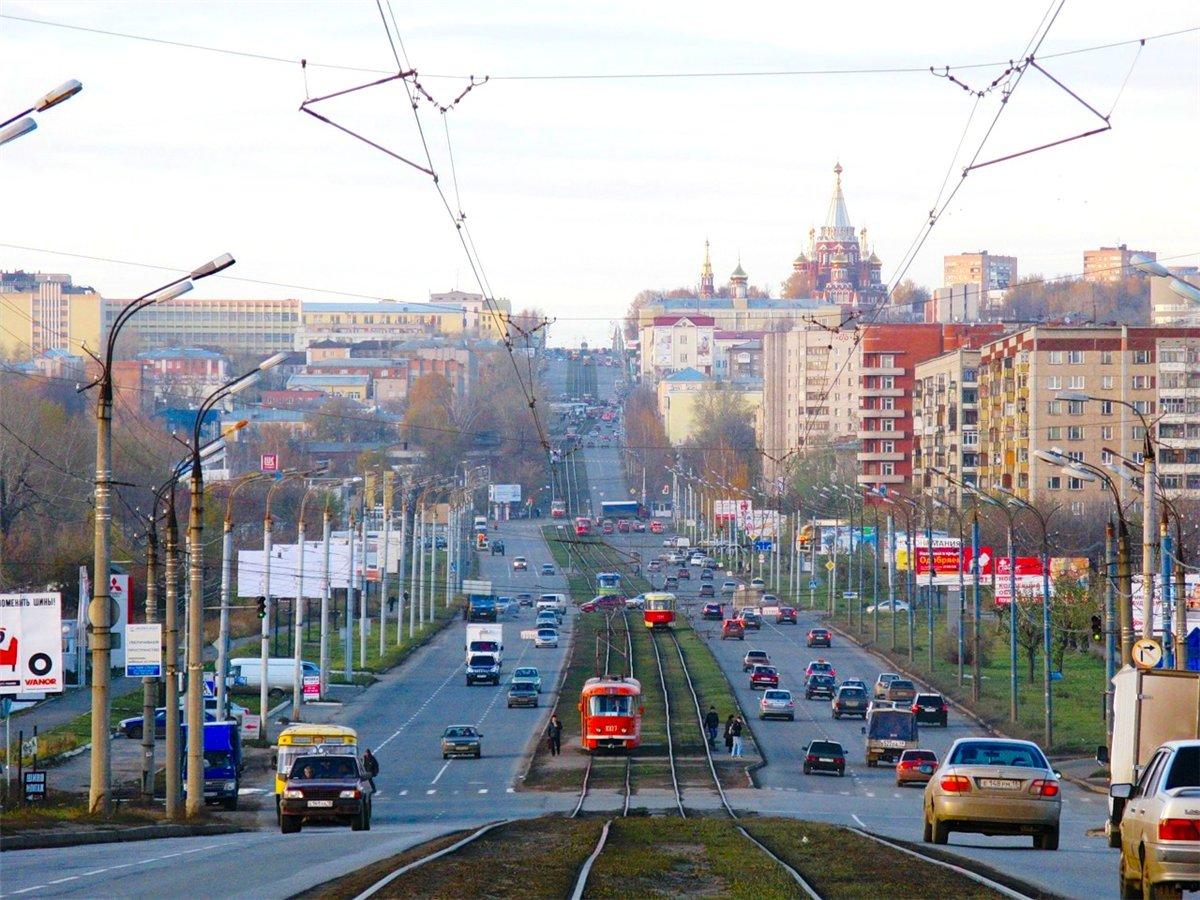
1149,534
421,567
298,621
413,601
364,614
388,490
348,639
150,685
326,584
171,601
400,561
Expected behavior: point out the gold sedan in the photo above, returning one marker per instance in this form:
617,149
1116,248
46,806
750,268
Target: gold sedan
994,786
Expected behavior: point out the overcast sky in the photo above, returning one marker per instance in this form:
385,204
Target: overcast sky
579,193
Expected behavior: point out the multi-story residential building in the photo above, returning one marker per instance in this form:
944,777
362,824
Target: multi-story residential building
356,387
946,423
1020,379
40,312
386,320
680,394
723,341
1178,359
674,343
988,271
810,393
887,377
486,318
955,303
185,373
743,362
250,326
1111,263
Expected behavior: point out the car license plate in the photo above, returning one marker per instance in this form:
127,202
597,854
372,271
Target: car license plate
321,804
827,759
1000,784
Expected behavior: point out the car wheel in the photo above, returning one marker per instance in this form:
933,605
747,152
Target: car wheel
231,804
478,753
445,756
807,770
289,824
359,822
927,834
836,715
871,763
841,773
1126,889
792,717
135,733
941,832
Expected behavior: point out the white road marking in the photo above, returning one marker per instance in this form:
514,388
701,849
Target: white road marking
395,734
431,791
441,771
855,817
403,793
511,790
101,871
481,790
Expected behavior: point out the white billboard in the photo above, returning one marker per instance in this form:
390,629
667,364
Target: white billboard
31,643
285,569
504,493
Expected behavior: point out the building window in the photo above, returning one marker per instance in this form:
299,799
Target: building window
1054,483
887,381
1075,455
1141,357
1054,433
1074,484
1075,382
1076,508
1054,383
1106,432
1141,382
1107,382
884,447
1106,407
1075,407
887,468
1106,357
1138,433
1056,357
1106,457
1054,407
1074,432
1145,407
1075,357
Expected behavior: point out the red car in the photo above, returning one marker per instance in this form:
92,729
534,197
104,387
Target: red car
733,628
820,667
607,529
590,606
819,637
785,614
639,527
656,527
622,526
684,574
764,677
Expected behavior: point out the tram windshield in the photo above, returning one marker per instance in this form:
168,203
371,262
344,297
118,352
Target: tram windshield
658,603
611,704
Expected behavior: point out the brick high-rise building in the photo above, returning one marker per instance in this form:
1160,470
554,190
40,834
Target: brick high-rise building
988,270
887,378
1111,263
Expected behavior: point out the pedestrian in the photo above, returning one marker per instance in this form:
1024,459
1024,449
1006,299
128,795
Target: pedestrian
737,737
729,735
554,734
711,722
371,767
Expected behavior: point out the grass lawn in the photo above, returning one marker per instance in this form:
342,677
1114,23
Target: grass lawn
77,732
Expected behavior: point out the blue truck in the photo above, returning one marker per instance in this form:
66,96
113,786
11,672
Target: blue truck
223,762
481,607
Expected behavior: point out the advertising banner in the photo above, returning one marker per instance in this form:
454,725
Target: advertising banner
143,651
945,560
31,643
504,493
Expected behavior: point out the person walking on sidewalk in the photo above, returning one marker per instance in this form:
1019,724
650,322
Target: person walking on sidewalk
736,731
712,722
729,735
554,735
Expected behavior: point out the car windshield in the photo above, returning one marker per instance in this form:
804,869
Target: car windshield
523,687
525,673
610,704
893,725
929,698
829,748
822,679
852,693
924,755
1185,770
996,753
777,695
314,767
482,661
217,759
763,670
547,633
460,731
901,685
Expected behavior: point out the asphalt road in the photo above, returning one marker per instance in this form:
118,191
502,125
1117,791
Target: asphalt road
420,795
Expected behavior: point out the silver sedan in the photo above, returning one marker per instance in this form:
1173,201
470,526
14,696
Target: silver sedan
994,786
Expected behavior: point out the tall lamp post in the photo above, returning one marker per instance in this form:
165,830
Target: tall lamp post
222,673
99,611
195,612
11,128
1009,517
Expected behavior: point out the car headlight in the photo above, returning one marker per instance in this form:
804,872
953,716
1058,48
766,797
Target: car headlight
231,785
292,794
351,795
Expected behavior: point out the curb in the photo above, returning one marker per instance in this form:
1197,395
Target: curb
139,833
962,710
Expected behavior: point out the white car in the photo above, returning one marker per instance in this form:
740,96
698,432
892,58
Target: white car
638,602
886,606
520,564
528,673
546,637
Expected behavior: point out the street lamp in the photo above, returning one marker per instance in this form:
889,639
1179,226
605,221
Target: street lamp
1149,518
99,612
195,612
11,129
1009,517
966,490
1177,285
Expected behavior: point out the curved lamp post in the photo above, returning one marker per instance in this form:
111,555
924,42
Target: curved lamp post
11,128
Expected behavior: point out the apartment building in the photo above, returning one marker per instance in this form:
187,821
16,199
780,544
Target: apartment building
988,271
1111,263
810,392
1021,375
675,343
42,311
946,423
1169,308
887,381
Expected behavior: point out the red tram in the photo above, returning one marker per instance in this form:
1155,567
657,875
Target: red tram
610,713
583,526
659,610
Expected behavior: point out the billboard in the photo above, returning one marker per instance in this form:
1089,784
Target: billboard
31,643
504,493
945,560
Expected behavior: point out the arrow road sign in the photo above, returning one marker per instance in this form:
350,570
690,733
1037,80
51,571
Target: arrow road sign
1147,653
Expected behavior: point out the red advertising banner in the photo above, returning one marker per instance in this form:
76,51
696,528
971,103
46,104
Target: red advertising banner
945,560
1026,565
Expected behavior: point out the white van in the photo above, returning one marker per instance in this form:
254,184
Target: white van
281,671
556,602
480,525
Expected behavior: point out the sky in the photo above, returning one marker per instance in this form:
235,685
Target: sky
578,193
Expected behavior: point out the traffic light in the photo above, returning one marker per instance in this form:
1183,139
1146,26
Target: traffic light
262,607
1097,629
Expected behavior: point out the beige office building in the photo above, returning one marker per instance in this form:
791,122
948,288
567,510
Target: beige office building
987,270
1111,263
40,312
810,393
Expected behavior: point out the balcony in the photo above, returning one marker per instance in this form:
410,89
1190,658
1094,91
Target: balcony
881,479
881,435
880,457
881,392
880,370
867,413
